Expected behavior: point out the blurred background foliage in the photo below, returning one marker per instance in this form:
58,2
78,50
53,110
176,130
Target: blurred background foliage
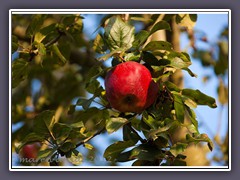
55,76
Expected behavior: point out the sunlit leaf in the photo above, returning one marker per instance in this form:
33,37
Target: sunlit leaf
149,120
112,151
158,45
43,155
200,138
88,146
161,25
76,158
119,34
112,53
98,44
172,87
140,38
199,97
178,148
42,33
179,107
153,134
113,124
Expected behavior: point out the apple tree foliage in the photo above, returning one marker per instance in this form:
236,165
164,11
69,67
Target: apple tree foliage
70,108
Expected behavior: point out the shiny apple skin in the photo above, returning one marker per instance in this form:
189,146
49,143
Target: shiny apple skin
130,88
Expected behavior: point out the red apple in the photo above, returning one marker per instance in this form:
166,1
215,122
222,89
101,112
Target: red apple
130,88
30,151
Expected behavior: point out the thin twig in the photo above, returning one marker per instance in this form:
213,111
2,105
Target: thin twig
54,40
90,137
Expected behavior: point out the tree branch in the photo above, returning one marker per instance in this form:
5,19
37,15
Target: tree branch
90,137
54,40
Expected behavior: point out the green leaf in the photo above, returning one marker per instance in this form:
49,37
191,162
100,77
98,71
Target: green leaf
35,24
85,103
76,158
92,86
14,43
119,34
186,20
200,138
146,152
113,151
161,25
75,24
193,128
129,135
131,57
41,35
172,87
77,124
43,155
124,157
67,146
30,138
94,72
161,142
190,72
113,124
140,38
179,107
150,59
178,148
193,17
41,49
189,102
179,60
65,48
158,45
61,131
69,20
19,71
98,44
88,146
44,122
58,53
153,134
93,118
199,97
149,120
112,53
